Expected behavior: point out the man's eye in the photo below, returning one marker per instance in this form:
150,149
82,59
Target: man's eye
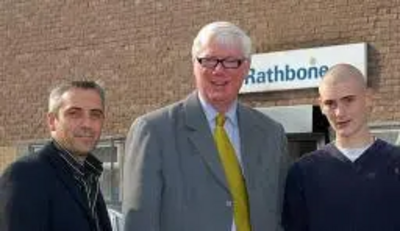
329,104
97,115
73,113
231,60
210,60
348,99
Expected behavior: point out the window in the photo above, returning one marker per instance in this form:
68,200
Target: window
389,132
110,152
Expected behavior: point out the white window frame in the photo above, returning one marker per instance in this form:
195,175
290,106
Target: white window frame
384,129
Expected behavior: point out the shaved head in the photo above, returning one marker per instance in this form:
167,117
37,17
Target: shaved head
343,73
344,99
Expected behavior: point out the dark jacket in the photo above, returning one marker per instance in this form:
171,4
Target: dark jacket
39,193
326,191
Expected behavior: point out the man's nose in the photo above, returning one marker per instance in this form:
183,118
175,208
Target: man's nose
86,121
340,110
219,67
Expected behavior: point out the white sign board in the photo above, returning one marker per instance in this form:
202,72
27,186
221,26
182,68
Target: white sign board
294,119
299,69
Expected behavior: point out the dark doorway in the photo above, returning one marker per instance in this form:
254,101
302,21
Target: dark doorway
300,144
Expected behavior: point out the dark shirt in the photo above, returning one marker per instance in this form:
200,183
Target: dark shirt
86,175
326,191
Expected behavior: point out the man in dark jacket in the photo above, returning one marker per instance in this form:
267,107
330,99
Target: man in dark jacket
352,183
57,188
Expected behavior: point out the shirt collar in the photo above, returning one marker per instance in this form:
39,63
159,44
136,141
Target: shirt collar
91,165
211,113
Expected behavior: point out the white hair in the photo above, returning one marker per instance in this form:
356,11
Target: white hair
224,33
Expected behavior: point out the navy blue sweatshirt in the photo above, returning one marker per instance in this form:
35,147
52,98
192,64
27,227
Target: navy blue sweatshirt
325,191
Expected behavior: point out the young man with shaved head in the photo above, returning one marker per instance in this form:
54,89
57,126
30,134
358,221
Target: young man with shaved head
352,183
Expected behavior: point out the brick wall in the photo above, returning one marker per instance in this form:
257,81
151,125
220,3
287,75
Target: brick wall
141,51
7,155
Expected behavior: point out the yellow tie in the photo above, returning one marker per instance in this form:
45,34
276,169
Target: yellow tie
233,175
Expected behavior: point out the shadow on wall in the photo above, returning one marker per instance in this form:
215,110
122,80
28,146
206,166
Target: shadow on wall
374,66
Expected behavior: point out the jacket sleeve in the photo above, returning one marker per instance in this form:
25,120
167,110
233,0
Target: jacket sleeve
142,179
295,212
285,162
23,202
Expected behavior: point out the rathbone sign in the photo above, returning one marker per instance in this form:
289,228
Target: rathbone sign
298,69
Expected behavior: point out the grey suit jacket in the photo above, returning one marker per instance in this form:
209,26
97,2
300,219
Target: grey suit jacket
174,181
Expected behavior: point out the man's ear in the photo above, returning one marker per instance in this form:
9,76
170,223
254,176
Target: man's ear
321,107
51,121
245,67
247,62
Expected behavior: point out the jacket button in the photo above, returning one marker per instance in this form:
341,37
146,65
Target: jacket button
228,203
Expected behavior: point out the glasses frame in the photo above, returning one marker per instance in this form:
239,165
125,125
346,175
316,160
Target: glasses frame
200,60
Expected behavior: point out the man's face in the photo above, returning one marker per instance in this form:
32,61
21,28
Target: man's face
220,85
78,123
345,104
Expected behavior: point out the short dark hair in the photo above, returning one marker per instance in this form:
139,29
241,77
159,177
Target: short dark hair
57,92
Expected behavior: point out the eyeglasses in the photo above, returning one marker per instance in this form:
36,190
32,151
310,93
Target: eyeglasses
228,63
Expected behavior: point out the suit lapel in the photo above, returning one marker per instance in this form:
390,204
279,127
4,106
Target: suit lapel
64,174
202,139
250,144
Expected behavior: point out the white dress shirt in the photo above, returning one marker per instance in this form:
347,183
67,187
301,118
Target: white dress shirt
231,128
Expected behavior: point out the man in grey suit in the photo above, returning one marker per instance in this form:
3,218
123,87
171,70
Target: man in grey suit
174,179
